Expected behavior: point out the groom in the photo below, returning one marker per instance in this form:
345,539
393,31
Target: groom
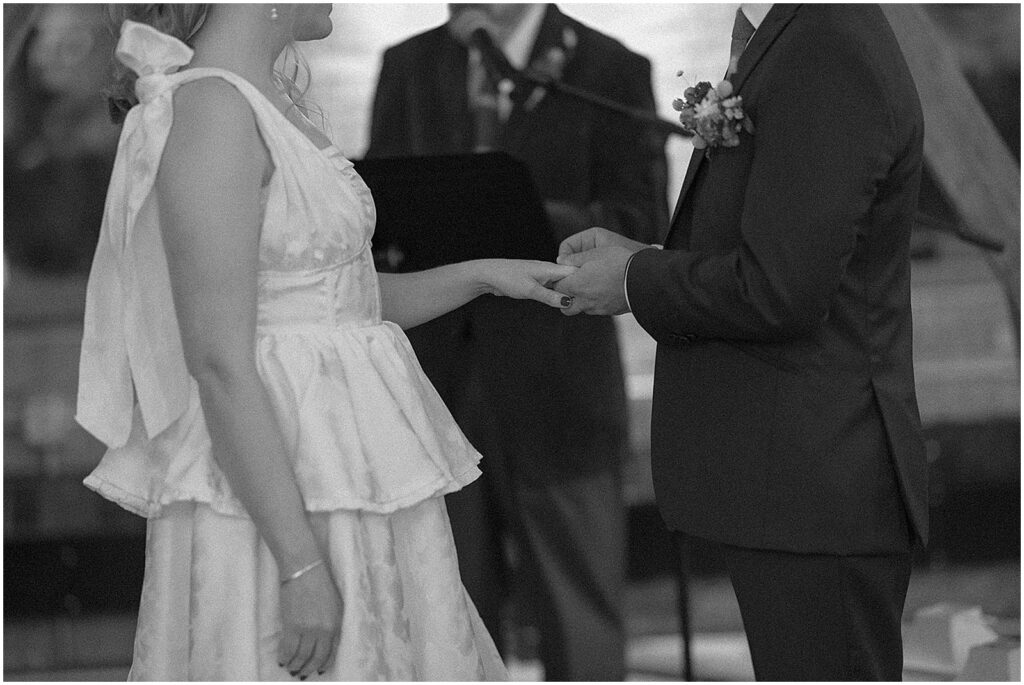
785,427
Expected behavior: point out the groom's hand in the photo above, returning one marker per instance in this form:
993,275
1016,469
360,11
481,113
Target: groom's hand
597,287
593,238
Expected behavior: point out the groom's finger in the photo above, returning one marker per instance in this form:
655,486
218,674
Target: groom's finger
548,274
579,258
556,272
567,247
578,242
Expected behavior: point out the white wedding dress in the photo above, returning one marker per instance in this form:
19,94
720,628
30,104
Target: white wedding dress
372,445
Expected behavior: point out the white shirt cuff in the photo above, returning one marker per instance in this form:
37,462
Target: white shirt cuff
625,275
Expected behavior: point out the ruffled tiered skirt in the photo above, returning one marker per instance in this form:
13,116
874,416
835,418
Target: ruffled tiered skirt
374,450
209,608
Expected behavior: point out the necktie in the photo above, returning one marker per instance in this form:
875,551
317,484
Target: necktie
742,30
483,99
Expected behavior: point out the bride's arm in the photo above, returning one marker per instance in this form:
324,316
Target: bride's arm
207,191
415,298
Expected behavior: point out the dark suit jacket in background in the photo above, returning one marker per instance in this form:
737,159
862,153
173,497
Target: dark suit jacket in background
785,414
601,162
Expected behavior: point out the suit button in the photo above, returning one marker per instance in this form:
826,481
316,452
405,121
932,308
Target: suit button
875,359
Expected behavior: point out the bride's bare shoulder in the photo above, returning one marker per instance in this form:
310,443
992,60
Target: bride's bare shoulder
213,118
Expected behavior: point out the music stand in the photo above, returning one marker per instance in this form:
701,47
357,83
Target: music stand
444,209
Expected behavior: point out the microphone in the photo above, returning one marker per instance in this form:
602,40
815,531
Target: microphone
471,27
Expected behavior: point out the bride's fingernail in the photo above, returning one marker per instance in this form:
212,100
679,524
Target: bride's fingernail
566,301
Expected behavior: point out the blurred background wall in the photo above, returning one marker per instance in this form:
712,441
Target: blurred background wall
73,562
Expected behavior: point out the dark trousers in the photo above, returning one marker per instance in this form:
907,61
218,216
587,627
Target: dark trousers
499,367
819,616
568,539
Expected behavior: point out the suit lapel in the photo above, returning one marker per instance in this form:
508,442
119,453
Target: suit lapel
454,121
520,121
772,25
691,171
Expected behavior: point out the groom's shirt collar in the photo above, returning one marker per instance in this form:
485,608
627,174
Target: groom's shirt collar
755,12
520,41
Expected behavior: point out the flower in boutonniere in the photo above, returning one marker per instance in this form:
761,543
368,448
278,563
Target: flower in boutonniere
713,114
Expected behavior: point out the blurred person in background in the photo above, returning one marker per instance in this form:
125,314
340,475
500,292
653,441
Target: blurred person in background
58,141
246,368
543,399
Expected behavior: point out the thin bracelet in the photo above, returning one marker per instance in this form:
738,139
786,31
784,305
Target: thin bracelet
302,571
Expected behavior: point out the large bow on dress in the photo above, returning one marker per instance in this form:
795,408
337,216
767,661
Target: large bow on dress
131,346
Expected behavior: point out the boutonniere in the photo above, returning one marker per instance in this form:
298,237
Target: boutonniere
550,65
713,114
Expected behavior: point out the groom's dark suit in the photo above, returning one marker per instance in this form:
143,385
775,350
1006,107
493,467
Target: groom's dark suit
785,424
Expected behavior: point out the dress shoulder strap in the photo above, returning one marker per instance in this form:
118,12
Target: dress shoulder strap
131,347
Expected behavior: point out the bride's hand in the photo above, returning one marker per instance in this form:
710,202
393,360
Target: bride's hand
310,623
525,280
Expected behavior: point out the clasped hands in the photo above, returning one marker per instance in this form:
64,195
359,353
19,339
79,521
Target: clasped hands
587,278
597,285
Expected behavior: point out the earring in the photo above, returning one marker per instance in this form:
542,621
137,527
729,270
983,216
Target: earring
273,14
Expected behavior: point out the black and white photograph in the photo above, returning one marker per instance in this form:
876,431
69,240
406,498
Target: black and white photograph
472,342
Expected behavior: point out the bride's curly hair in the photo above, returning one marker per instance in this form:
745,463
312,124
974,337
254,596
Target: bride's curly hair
183,21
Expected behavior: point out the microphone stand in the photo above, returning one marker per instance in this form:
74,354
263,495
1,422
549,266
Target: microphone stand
473,31
640,116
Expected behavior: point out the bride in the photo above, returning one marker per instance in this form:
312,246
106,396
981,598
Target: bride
246,367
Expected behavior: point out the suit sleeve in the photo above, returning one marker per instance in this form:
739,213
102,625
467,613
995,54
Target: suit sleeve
628,188
387,120
824,140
